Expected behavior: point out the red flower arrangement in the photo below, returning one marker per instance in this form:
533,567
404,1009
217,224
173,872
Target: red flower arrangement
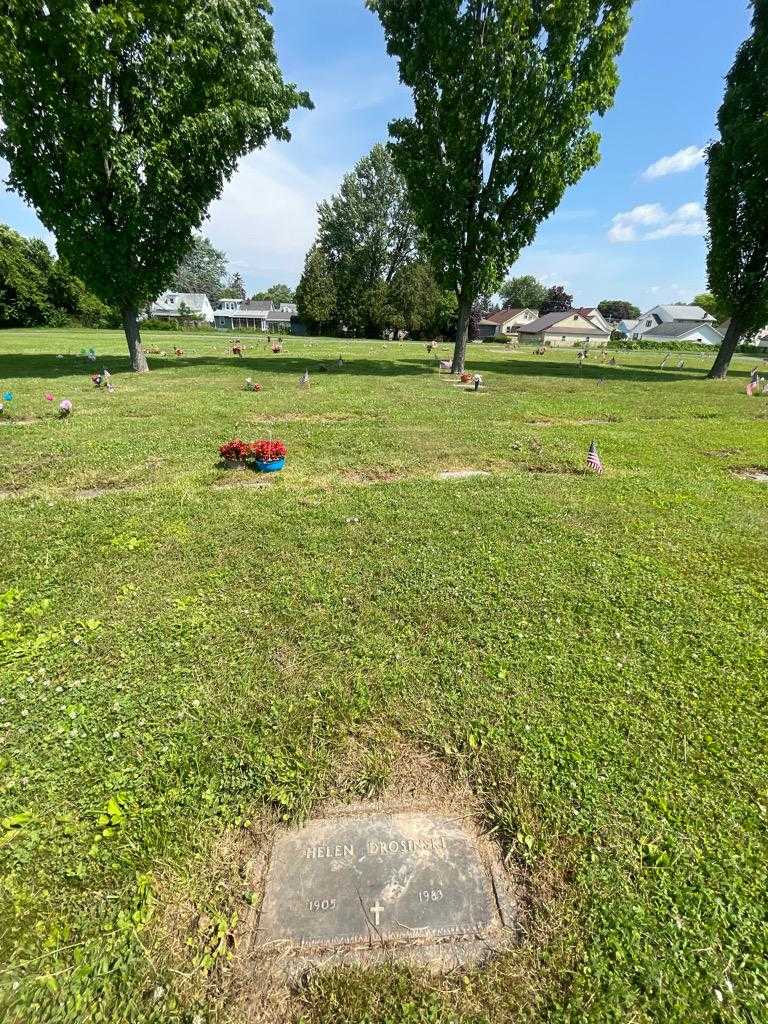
235,451
268,451
465,378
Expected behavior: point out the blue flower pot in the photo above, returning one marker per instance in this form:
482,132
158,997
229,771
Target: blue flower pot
274,466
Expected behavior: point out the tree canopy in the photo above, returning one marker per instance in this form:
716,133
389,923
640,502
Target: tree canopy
557,300
38,289
367,272
277,294
123,120
202,270
504,93
618,309
522,293
736,194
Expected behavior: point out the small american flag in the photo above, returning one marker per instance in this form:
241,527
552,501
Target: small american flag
593,459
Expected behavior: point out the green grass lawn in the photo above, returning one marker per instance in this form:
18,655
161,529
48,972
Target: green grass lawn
184,653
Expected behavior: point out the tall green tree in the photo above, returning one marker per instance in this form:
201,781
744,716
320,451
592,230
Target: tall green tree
736,194
368,233
277,295
316,293
618,309
522,292
504,93
557,300
712,305
124,118
202,270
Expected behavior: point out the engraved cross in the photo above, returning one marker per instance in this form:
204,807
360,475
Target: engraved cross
376,910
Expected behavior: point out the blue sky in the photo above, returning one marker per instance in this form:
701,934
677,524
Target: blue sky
620,233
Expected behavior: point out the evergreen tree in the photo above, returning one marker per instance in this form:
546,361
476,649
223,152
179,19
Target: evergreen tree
316,293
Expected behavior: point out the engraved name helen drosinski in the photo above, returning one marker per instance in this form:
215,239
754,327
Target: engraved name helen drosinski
347,881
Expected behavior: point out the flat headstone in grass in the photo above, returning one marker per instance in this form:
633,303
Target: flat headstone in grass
377,880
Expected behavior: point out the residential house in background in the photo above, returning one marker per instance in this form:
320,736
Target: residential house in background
167,306
666,315
705,333
241,315
627,327
506,322
593,314
564,330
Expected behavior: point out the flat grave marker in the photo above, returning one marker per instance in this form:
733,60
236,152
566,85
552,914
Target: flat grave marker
377,879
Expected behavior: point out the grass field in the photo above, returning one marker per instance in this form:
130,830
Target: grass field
187,654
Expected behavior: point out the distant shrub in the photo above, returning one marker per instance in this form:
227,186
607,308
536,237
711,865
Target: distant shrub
173,325
641,345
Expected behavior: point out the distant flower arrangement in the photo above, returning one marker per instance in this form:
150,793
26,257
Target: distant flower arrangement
267,456
65,408
466,378
268,451
236,451
251,385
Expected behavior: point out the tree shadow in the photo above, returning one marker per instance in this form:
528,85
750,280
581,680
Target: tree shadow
533,366
47,366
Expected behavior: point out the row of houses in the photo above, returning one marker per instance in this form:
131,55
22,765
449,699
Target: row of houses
231,314
587,325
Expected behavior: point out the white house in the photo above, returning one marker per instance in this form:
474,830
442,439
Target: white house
704,332
563,330
167,306
506,322
593,314
670,315
239,315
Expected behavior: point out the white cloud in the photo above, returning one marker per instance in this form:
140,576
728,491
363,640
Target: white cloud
684,160
651,221
266,218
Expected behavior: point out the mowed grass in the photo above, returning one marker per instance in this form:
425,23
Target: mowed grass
183,651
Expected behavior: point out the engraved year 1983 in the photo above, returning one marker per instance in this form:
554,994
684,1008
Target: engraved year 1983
430,895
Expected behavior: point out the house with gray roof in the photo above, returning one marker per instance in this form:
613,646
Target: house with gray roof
660,315
704,332
258,315
564,330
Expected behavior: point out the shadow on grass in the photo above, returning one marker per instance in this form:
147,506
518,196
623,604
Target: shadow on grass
47,366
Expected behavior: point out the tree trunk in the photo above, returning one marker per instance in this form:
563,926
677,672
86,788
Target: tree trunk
462,335
133,337
720,369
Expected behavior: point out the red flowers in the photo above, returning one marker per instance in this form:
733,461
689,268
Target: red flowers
268,451
261,451
235,451
465,378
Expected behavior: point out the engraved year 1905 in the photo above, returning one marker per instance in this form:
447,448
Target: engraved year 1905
321,905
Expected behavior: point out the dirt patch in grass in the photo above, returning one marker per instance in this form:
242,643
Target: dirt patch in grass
461,474
595,422
757,474
208,915
321,419
20,421
372,475
724,453
12,492
100,489
243,480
